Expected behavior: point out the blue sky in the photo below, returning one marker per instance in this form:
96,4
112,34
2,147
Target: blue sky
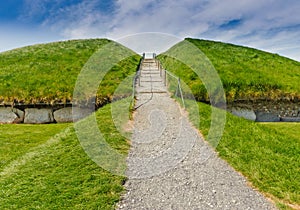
271,25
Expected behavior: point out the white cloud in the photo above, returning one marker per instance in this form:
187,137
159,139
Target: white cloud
79,21
264,24
158,16
149,42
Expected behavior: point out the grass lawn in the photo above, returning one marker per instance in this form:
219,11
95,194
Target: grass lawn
267,154
289,129
44,174
17,140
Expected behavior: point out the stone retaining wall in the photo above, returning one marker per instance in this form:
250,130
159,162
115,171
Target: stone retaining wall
11,115
42,115
266,111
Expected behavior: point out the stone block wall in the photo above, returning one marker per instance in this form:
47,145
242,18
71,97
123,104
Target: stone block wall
282,109
267,111
10,115
264,111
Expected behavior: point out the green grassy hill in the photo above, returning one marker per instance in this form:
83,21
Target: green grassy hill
46,73
246,73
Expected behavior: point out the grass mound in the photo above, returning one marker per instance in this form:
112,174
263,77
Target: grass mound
47,73
246,73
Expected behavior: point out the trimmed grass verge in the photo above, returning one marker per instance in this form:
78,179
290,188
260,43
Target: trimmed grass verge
58,175
267,154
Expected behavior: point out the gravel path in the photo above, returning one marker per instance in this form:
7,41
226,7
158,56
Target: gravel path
166,169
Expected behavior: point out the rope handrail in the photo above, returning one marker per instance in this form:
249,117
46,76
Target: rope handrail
172,75
179,88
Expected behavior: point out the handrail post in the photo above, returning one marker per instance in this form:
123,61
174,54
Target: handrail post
165,77
140,70
181,94
160,70
177,88
139,75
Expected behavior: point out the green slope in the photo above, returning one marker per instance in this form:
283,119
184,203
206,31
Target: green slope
246,73
47,73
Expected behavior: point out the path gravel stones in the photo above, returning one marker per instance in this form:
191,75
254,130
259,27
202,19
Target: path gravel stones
167,165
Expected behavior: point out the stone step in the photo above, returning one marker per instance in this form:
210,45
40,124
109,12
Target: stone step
149,91
156,81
